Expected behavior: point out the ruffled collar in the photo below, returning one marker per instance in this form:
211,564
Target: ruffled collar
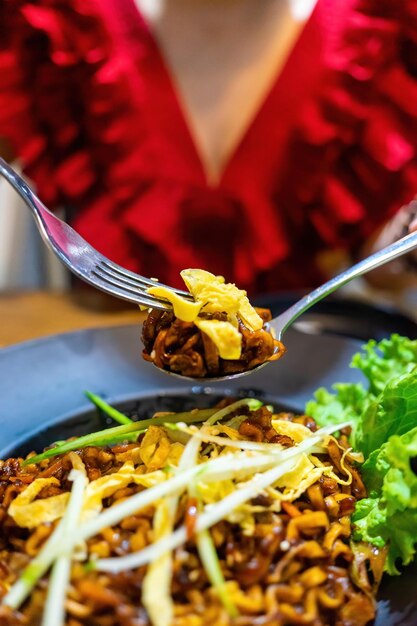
361,130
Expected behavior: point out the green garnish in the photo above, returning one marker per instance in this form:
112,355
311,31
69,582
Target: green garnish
23,586
389,515
108,436
210,560
109,410
385,430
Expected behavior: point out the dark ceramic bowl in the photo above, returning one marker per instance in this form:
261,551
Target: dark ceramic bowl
42,400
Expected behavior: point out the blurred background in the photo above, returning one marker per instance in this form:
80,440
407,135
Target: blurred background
25,262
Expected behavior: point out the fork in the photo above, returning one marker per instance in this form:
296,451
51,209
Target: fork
94,268
82,259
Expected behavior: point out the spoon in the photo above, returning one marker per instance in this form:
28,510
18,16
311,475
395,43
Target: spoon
279,324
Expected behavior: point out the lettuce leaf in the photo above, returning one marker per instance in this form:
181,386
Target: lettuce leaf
387,405
347,404
389,515
385,361
384,418
394,412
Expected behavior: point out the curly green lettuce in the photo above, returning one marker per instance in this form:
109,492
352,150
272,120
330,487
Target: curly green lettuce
384,418
347,402
393,412
383,361
380,363
389,515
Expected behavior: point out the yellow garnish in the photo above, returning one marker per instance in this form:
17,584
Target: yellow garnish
155,448
227,339
292,479
104,487
156,596
218,296
175,453
184,309
213,295
197,280
29,513
297,432
248,314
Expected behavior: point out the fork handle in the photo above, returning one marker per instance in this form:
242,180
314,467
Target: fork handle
22,188
396,249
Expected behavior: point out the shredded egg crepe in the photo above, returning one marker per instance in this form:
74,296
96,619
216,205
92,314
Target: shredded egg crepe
213,295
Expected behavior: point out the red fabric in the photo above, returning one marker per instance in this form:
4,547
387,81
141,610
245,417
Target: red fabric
88,105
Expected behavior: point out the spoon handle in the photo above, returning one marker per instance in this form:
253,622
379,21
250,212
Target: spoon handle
396,249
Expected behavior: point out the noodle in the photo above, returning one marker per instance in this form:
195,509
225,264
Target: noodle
293,567
183,348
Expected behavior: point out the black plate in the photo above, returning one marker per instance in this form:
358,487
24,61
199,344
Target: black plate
42,384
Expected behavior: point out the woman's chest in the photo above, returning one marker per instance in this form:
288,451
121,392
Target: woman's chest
223,58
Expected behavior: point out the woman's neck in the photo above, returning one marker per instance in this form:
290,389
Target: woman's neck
223,57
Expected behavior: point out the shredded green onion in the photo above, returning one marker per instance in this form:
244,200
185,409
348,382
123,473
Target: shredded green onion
54,612
109,410
205,546
208,518
107,436
20,590
116,434
210,560
210,471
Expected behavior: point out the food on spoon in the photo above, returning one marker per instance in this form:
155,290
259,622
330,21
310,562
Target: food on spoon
219,333
245,519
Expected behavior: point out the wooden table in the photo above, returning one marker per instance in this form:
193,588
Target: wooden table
26,316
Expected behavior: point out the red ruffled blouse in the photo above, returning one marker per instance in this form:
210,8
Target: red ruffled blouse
88,105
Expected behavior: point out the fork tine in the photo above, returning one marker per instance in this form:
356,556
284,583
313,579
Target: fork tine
135,279
134,293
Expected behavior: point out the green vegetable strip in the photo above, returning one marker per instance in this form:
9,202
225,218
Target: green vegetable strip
210,560
18,593
129,438
205,545
159,575
109,410
251,403
107,436
54,612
